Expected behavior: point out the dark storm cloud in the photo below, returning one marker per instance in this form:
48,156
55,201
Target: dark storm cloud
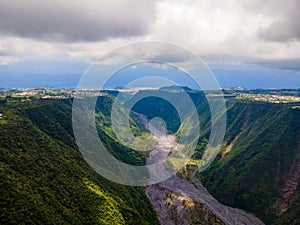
76,20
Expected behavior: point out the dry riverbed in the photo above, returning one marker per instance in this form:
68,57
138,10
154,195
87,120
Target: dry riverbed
180,201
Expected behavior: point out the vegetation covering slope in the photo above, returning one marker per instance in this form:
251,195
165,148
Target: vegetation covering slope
44,179
260,147
258,167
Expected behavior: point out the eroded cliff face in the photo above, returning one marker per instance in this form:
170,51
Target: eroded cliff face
242,129
289,190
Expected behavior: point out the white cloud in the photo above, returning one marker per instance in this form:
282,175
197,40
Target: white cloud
230,30
6,60
217,28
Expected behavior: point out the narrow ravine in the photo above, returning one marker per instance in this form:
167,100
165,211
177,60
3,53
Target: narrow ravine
179,201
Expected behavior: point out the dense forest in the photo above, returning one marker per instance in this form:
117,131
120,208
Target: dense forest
258,167
45,180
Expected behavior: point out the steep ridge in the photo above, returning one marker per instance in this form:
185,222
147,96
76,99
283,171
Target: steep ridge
45,180
262,138
262,163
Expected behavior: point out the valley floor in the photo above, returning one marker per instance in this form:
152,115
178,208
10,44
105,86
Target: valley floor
180,201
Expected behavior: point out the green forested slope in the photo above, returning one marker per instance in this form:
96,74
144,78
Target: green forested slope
258,158
44,179
251,174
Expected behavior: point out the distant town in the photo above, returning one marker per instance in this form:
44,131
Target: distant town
261,95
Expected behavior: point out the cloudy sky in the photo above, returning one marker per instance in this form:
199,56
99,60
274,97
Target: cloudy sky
230,35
